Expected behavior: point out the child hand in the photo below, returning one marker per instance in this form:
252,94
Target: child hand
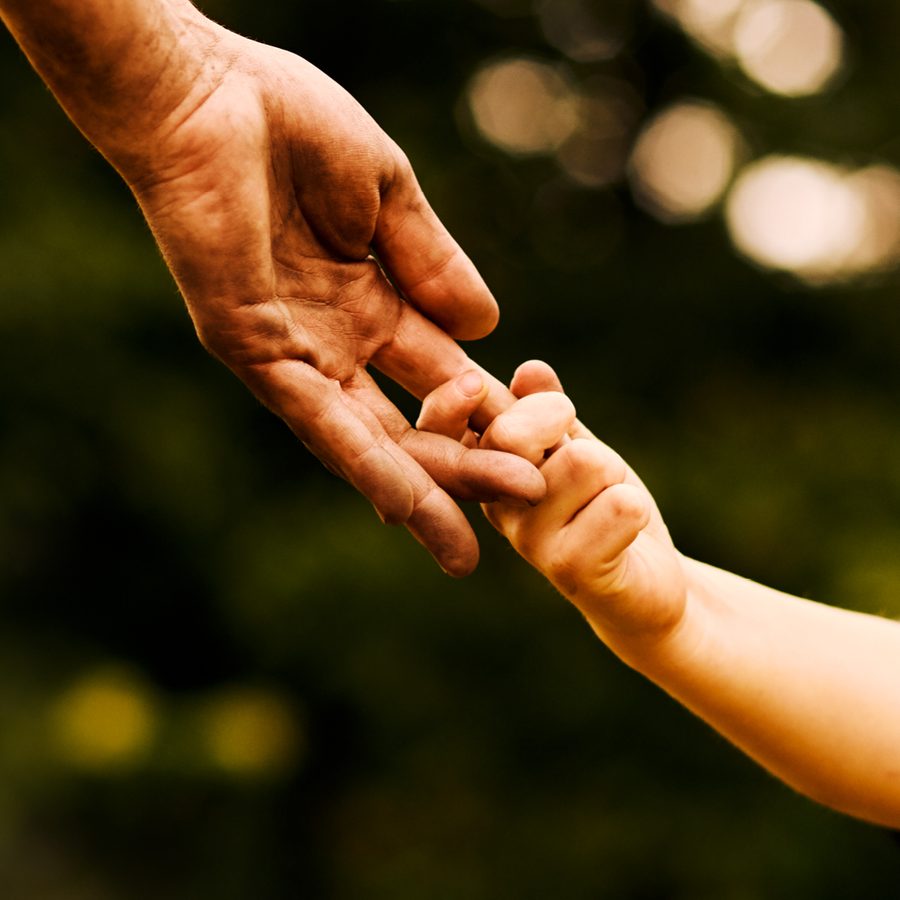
597,536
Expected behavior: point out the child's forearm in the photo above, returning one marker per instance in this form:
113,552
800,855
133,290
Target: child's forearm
809,691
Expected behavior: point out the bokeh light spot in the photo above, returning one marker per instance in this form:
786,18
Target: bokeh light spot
789,47
708,22
584,31
800,215
107,719
252,732
596,153
683,161
523,106
879,248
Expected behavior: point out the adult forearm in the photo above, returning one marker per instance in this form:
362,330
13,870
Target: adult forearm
810,691
118,67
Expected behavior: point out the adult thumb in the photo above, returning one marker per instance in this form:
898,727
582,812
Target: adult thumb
426,264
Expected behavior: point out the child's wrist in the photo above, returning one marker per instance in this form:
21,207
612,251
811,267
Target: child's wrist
671,646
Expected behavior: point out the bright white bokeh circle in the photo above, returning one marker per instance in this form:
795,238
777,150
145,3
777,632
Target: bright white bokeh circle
796,214
789,47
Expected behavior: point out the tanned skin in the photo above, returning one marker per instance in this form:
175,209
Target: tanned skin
271,192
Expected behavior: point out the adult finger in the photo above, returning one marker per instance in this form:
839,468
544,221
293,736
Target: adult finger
435,520
475,474
530,427
421,357
425,262
350,439
464,473
317,411
467,472
447,409
440,526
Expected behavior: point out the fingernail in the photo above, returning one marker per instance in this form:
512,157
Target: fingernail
471,384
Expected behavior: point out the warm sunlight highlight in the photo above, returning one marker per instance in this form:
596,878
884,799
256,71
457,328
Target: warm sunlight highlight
816,220
683,161
523,106
789,47
708,22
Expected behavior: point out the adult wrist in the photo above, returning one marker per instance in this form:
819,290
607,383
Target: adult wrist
192,70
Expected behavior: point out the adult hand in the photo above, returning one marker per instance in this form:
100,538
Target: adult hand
271,192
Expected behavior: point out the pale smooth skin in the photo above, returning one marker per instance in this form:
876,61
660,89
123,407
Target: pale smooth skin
268,189
809,691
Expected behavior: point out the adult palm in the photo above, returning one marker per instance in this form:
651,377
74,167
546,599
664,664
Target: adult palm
271,192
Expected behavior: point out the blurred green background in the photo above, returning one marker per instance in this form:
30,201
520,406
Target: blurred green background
221,677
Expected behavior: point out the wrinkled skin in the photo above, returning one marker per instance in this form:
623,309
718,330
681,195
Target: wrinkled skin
271,192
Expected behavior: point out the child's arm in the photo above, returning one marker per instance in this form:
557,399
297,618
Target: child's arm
810,691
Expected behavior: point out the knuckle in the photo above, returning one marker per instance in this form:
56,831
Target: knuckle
625,503
399,171
585,457
401,160
373,471
614,466
579,456
391,515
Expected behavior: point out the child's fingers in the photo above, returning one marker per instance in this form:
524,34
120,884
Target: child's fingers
575,474
446,410
606,527
537,376
591,544
533,377
531,426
